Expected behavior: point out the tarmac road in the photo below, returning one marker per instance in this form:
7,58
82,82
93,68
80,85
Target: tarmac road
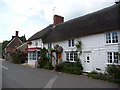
19,76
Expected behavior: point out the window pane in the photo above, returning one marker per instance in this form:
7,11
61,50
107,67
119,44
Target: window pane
109,57
69,43
30,55
108,38
75,56
114,37
34,55
72,42
67,56
71,56
116,57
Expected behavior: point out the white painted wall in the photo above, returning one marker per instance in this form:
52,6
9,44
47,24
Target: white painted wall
33,45
96,44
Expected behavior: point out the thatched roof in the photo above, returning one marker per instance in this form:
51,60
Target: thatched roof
94,23
42,33
97,22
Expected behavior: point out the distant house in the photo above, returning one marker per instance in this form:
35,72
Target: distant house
13,44
23,47
99,33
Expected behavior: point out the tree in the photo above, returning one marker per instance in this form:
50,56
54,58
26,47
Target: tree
4,44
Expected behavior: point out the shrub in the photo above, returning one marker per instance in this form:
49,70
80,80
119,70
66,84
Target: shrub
48,65
106,77
59,67
15,58
113,70
43,58
68,67
18,58
41,64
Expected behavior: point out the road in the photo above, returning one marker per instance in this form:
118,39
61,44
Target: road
19,76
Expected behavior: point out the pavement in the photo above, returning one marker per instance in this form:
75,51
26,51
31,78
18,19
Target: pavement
25,64
22,76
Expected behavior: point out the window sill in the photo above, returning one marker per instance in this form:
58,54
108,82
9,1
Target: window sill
72,61
112,63
108,44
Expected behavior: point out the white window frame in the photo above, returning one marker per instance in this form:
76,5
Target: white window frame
113,58
32,55
111,37
71,56
71,43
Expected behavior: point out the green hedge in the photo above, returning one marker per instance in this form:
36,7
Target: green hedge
48,65
69,67
112,75
15,58
104,77
113,70
18,58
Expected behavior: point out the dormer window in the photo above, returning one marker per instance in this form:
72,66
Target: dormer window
71,43
112,37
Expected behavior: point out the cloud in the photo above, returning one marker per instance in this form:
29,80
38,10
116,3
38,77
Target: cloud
76,8
30,16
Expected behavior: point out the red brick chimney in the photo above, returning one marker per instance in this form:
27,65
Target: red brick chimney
58,19
16,34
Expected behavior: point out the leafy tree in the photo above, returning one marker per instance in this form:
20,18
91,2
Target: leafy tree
4,44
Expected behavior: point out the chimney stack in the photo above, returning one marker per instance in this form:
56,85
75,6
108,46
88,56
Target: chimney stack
58,20
16,34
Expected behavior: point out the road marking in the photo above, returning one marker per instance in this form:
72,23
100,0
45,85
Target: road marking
50,82
4,67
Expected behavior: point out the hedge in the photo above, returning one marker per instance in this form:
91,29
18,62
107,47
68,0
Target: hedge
70,67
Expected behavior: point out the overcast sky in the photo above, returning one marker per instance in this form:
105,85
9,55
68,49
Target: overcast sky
30,16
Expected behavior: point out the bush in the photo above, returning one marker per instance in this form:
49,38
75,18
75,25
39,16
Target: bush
59,67
18,58
106,77
48,65
15,58
113,70
68,67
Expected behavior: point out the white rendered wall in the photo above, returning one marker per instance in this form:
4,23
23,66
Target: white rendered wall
33,45
96,44
39,44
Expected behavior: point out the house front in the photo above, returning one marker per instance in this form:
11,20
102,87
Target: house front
12,45
35,44
99,33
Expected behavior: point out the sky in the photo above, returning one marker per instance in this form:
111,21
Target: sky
31,16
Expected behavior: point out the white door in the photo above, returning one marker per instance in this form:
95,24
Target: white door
87,62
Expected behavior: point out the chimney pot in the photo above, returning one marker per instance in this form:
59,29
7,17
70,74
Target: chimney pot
16,33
